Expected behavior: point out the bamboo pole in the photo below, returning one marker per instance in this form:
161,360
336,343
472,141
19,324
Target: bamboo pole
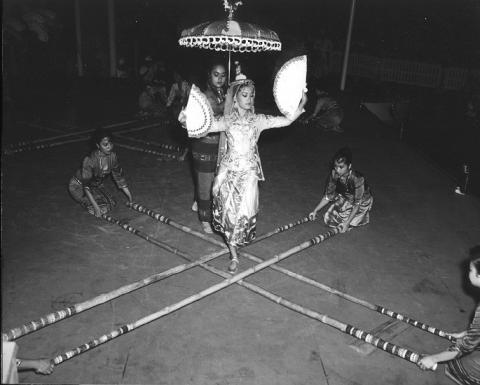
345,328
152,143
168,221
41,140
193,298
10,151
120,124
164,155
59,315
309,281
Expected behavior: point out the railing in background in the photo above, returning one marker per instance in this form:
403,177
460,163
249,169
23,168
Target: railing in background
405,72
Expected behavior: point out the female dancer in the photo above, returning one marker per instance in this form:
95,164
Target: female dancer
86,187
235,189
205,150
349,193
463,358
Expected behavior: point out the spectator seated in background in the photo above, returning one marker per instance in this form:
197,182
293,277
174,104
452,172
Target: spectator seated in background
178,95
326,114
151,103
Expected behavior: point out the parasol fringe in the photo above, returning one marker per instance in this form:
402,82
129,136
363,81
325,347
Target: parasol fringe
193,298
59,315
309,281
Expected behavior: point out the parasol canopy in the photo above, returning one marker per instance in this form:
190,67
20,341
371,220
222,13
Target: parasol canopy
230,35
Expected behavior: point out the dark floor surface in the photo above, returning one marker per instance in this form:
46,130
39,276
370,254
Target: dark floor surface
408,259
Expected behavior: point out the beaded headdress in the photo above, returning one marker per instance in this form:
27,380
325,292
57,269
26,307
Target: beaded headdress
232,92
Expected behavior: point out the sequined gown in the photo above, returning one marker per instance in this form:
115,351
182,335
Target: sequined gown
235,188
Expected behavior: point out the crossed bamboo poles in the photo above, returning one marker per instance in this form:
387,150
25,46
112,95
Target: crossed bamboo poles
377,308
59,315
74,137
349,329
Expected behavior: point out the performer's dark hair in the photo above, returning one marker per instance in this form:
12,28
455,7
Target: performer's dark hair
475,257
99,134
344,155
213,64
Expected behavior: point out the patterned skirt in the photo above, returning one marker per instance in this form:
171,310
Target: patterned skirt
465,370
235,206
204,154
104,199
341,208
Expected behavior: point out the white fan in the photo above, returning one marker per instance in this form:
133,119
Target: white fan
199,113
289,84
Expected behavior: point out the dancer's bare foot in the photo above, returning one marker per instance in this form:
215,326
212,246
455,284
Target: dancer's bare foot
234,262
207,228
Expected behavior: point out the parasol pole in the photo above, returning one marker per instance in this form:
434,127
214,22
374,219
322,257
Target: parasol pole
347,47
377,308
230,9
229,64
195,297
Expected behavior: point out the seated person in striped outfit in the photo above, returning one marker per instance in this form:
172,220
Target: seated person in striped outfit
348,193
86,187
463,357
327,114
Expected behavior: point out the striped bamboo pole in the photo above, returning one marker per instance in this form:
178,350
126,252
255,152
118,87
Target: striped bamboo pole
133,230
193,298
163,155
59,315
345,328
56,130
309,281
139,128
120,124
10,151
168,221
152,143
34,144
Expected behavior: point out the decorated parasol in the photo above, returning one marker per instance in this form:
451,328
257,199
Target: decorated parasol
230,35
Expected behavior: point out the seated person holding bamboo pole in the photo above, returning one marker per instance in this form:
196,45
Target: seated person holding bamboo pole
327,113
463,357
86,187
348,193
11,364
